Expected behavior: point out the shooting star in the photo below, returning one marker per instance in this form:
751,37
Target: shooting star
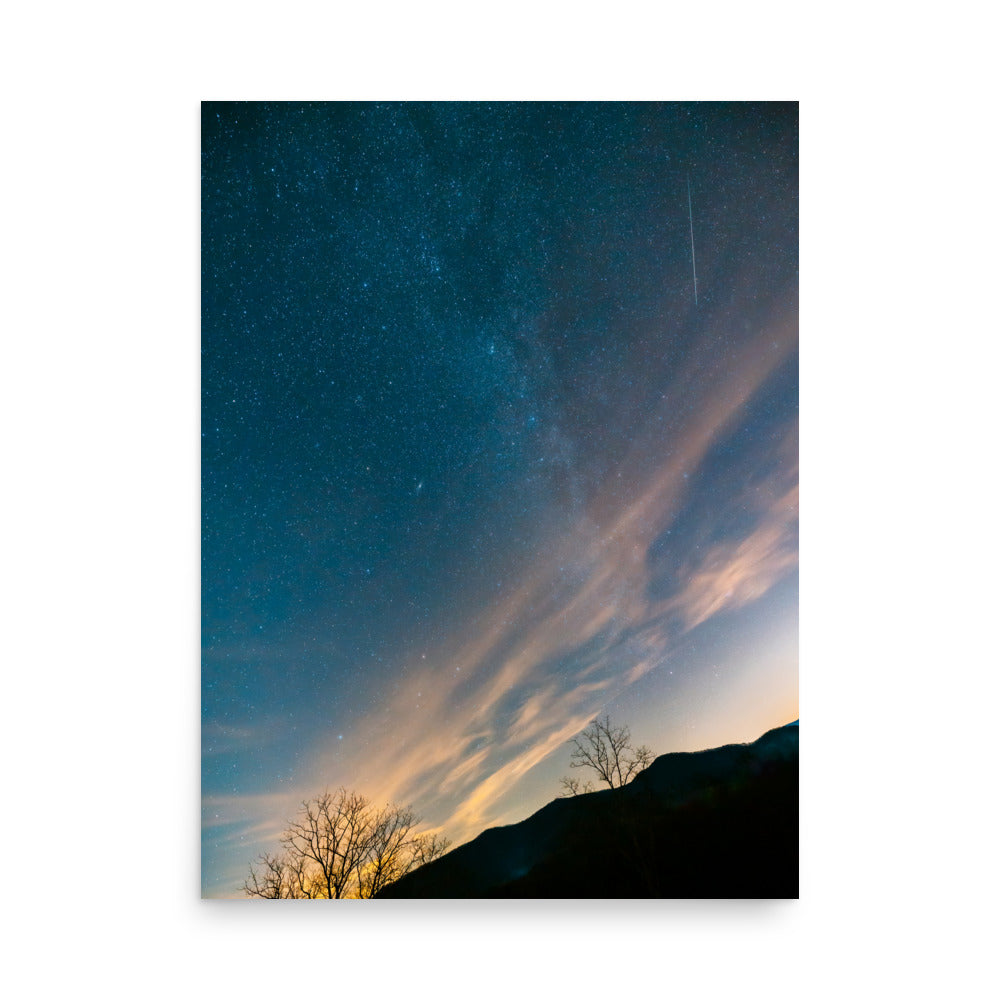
691,224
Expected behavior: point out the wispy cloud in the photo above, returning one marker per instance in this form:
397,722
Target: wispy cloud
470,721
598,609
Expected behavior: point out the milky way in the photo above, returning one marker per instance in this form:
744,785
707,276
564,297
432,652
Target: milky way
476,464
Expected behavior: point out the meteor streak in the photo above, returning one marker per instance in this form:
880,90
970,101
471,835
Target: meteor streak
691,224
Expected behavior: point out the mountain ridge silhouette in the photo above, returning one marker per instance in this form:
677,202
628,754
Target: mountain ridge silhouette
715,823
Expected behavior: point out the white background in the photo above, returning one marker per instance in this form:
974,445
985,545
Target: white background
100,396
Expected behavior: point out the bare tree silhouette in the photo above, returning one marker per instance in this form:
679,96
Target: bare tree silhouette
340,847
607,750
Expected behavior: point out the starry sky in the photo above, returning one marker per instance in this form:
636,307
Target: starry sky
486,450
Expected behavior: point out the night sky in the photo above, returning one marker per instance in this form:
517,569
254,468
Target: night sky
476,465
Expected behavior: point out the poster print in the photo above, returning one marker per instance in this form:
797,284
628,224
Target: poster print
499,483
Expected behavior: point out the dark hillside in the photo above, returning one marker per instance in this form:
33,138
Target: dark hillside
719,823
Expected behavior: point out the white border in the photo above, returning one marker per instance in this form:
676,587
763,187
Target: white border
100,400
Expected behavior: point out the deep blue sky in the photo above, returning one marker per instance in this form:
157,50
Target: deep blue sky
475,464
